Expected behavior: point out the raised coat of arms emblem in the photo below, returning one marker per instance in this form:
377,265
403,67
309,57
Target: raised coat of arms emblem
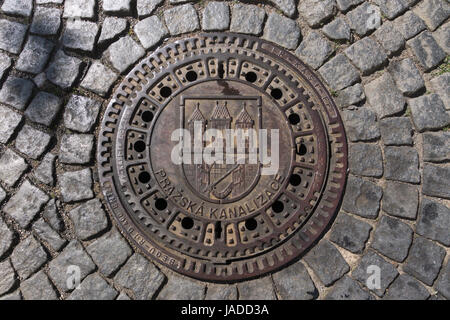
221,180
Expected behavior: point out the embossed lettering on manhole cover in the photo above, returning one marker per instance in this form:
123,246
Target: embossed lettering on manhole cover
222,157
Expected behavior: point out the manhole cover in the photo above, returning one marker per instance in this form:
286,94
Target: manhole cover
222,157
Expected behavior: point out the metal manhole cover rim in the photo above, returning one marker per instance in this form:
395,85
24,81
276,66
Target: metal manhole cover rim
165,256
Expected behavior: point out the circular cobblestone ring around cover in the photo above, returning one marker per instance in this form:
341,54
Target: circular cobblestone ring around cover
224,222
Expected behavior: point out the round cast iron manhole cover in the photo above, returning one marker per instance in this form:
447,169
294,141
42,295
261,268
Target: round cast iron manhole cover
222,157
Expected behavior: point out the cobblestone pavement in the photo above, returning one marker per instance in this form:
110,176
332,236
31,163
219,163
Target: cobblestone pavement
60,60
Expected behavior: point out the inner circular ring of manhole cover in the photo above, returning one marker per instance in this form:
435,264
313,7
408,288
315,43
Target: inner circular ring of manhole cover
222,157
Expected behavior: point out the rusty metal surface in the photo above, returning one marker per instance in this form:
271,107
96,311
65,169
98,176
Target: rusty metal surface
224,222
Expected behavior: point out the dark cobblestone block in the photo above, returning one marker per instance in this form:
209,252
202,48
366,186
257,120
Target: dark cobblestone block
348,289
38,287
63,70
5,64
323,255
6,237
25,204
365,160
141,277
150,31
338,29
32,142
436,146
259,289
443,282
34,55
221,292
406,76
281,30
344,5
46,21
339,73
391,8
48,235
434,221
316,11
402,164
392,238
364,19
424,260
16,92
89,219
216,16
410,3
43,108
436,181
181,19
28,257
314,50
52,216
406,287
9,123
350,233
428,113
12,167
350,96
146,7
441,87
362,273
109,252
7,276
389,38
72,255
49,1
21,8
396,131
427,51
76,185
45,171
433,12
384,97
111,28
367,55
409,25
123,53
361,124
40,80
99,79
117,6
287,6
76,148
294,283
362,197
247,19
181,288
442,37
401,200
80,35
81,113
94,287
79,8
12,35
